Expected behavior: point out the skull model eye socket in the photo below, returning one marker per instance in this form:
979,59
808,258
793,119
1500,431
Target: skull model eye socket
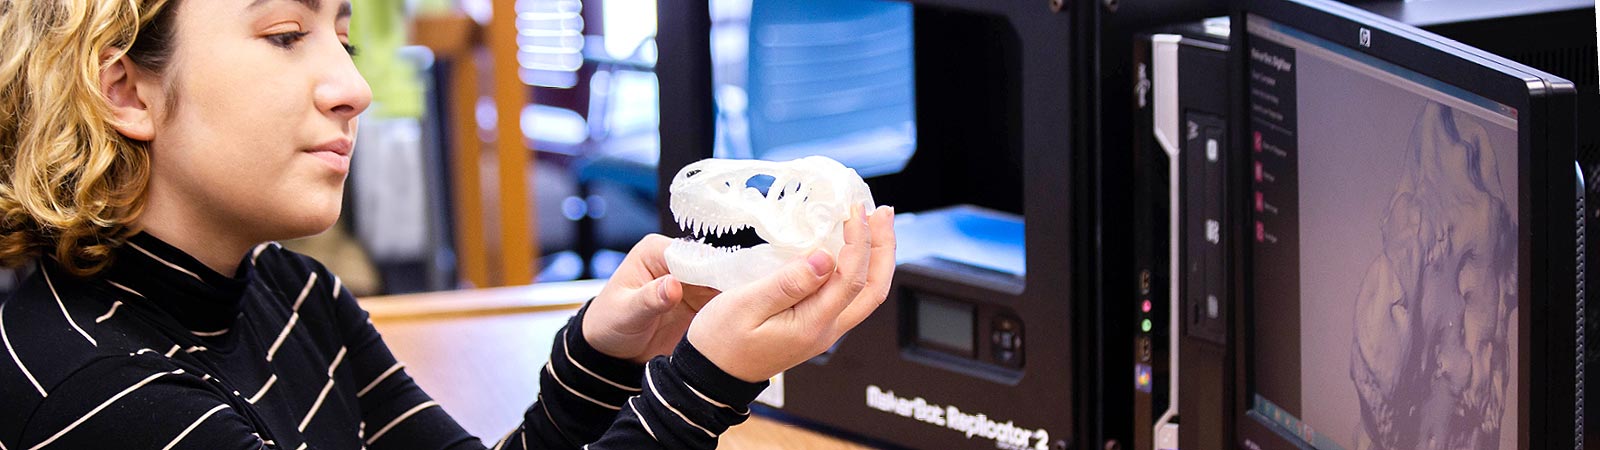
761,182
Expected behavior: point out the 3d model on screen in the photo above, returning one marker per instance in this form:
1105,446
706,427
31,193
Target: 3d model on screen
805,207
1430,361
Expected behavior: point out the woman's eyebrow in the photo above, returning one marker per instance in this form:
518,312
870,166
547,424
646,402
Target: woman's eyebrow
314,5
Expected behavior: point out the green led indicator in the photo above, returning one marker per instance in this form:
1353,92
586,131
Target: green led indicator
1145,325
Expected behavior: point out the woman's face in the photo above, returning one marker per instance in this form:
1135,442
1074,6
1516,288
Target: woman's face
256,136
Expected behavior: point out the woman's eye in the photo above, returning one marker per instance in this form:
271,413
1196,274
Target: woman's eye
351,49
286,40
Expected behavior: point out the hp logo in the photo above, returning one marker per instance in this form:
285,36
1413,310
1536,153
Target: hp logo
1366,38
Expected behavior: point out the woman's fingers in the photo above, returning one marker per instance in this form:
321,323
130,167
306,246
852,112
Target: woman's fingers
851,277
781,290
647,304
880,272
648,255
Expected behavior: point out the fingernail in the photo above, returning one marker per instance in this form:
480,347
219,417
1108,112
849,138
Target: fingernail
661,287
821,264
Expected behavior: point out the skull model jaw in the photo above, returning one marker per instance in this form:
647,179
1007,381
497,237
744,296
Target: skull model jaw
804,209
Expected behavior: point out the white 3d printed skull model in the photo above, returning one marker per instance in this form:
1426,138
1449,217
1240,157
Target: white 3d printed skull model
805,208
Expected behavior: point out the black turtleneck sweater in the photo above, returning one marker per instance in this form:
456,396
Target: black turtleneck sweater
161,352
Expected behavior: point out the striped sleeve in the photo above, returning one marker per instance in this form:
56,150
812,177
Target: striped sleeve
581,392
395,412
586,399
137,404
688,402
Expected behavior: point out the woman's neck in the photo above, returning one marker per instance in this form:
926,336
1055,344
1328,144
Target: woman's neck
217,246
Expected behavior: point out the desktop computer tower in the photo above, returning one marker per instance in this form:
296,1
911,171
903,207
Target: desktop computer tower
1178,292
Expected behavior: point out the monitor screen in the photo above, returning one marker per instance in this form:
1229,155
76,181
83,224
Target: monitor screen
1385,229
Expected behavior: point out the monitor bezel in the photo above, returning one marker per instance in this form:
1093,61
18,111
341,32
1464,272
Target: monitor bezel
1541,166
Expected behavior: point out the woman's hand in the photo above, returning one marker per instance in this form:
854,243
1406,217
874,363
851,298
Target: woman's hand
783,319
641,313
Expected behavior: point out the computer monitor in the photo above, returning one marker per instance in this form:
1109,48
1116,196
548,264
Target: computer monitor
1414,263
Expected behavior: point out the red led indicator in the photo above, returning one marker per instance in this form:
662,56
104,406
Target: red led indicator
1145,306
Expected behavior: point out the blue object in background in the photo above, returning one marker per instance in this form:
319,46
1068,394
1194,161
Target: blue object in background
833,78
966,234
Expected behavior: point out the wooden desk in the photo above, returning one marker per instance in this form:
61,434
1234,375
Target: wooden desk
479,352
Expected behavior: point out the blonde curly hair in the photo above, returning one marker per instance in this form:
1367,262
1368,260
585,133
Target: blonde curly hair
70,184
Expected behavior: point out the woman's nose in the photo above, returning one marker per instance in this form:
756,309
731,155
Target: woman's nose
342,93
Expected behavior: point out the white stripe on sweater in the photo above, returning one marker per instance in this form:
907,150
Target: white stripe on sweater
316,406
125,288
392,369
338,358
541,404
257,252
74,323
641,419
324,395
163,261
14,358
696,392
209,333
112,312
563,343
552,370
293,318
103,406
268,385
305,291
413,411
192,426
714,402
650,381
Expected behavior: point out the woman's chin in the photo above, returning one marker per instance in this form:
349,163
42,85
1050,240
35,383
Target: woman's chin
310,223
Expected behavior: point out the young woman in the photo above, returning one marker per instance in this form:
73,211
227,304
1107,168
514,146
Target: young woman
151,150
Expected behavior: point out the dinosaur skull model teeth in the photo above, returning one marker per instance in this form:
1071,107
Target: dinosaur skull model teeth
804,209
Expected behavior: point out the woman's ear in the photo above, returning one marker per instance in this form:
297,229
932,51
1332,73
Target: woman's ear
131,115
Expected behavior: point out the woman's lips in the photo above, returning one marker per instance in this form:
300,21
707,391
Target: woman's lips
335,153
